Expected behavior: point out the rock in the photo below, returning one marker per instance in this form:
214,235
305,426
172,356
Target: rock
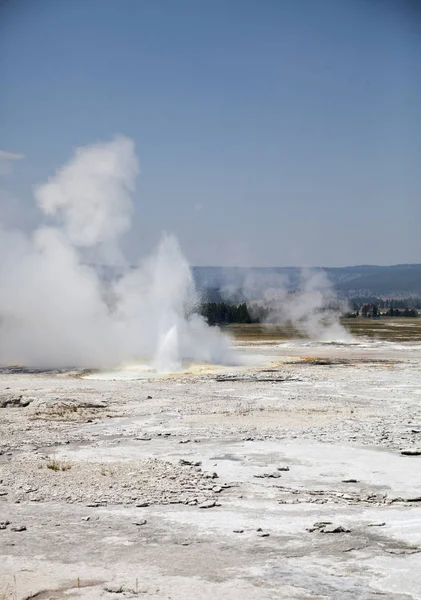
143,438
184,441
114,589
396,500
349,481
263,534
238,530
142,504
334,529
140,523
376,524
189,463
268,475
86,404
86,518
148,397
411,452
283,468
319,525
14,401
18,528
207,504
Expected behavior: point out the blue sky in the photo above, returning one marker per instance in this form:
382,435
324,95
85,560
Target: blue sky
270,132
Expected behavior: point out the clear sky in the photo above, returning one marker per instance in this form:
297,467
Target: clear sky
270,132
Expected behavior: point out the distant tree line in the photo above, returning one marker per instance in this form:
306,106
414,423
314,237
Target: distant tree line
223,313
226,313
384,308
385,303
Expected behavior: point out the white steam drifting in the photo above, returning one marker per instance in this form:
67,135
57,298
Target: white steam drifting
313,309
55,310
309,304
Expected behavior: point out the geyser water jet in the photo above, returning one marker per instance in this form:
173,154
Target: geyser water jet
168,354
56,311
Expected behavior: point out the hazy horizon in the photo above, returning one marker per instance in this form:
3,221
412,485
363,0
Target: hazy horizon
304,266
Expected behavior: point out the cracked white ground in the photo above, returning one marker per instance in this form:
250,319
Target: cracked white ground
312,433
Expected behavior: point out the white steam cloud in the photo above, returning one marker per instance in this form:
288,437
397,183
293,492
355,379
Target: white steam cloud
56,311
308,303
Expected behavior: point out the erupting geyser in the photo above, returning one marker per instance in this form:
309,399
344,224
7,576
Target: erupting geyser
56,311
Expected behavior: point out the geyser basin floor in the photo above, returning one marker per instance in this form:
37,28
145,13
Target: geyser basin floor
126,372
87,461
144,371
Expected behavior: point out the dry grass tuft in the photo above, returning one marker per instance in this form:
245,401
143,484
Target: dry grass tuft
56,465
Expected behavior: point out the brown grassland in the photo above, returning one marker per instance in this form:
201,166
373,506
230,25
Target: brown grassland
398,329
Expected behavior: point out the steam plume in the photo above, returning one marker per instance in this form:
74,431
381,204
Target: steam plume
310,303
55,310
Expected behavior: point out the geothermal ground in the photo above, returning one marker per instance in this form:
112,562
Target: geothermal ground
297,477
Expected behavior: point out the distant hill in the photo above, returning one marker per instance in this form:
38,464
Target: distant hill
397,281
365,280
